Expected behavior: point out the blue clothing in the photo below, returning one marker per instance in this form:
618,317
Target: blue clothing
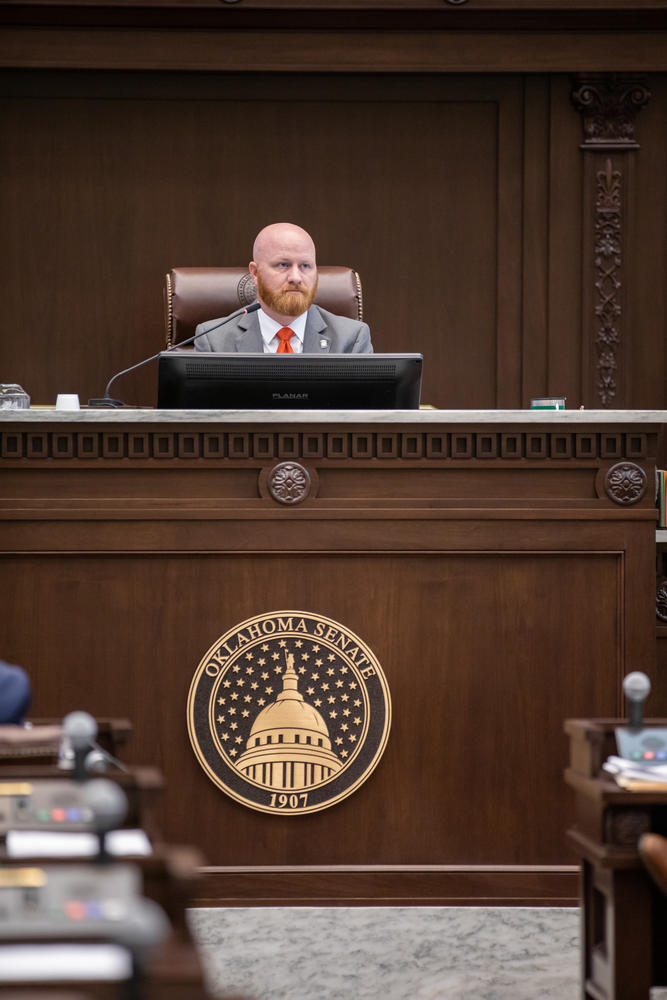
15,694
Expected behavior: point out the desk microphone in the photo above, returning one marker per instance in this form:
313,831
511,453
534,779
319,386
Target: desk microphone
79,751
80,730
106,399
641,747
637,687
108,804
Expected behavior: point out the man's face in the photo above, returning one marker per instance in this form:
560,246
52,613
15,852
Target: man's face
286,274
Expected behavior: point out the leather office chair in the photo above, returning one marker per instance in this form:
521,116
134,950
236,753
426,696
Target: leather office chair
195,294
653,852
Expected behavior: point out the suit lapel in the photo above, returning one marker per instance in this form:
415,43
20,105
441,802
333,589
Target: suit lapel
249,338
316,339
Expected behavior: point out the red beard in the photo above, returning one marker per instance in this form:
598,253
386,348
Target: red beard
289,301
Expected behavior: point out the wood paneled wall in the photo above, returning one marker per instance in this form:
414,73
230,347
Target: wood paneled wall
465,201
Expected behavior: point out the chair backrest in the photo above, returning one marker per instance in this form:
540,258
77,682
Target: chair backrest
652,848
195,294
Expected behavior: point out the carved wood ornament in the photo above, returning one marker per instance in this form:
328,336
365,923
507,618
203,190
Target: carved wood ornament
608,103
661,600
624,827
608,261
289,483
92,446
626,483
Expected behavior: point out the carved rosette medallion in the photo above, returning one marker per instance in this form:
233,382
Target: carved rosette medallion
289,483
246,290
661,600
624,827
625,483
289,712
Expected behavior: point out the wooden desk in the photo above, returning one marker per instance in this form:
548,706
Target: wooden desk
141,785
624,919
500,565
42,742
173,968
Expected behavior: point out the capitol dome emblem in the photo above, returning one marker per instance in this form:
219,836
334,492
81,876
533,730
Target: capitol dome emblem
289,712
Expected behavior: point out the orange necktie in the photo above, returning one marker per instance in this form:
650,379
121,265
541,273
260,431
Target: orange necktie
285,335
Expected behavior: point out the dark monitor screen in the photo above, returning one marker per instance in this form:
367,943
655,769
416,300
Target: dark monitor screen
198,380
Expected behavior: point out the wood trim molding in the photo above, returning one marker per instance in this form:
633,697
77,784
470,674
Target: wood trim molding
402,885
326,13
358,50
163,446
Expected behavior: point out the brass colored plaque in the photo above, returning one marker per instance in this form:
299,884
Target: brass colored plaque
15,788
289,712
22,878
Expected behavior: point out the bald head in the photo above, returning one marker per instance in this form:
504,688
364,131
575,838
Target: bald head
284,268
280,237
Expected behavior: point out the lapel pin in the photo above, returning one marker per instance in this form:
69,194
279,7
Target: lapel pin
323,343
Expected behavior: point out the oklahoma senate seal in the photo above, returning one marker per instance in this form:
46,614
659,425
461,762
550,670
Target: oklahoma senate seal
289,712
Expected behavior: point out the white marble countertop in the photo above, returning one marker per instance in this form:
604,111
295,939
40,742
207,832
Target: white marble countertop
49,415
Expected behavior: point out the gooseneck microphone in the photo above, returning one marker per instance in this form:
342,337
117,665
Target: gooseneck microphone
106,399
80,730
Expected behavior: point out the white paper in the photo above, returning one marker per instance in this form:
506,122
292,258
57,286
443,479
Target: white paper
41,962
57,844
635,770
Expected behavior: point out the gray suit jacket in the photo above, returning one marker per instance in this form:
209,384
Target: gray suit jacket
325,333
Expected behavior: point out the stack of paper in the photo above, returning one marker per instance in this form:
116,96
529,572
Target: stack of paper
57,844
54,962
635,775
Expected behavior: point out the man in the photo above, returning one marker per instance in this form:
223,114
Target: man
284,270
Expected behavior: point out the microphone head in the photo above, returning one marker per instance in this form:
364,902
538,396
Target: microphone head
107,802
636,686
80,729
145,926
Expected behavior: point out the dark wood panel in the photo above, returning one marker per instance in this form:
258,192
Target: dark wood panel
535,240
564,343
470,647
334,485
115,208
647,293
483,261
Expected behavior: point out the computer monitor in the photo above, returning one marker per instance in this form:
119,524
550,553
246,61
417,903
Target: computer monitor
198,380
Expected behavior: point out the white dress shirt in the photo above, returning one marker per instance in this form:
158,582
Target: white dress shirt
269,330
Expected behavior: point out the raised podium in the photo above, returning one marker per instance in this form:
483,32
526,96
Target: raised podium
499,565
